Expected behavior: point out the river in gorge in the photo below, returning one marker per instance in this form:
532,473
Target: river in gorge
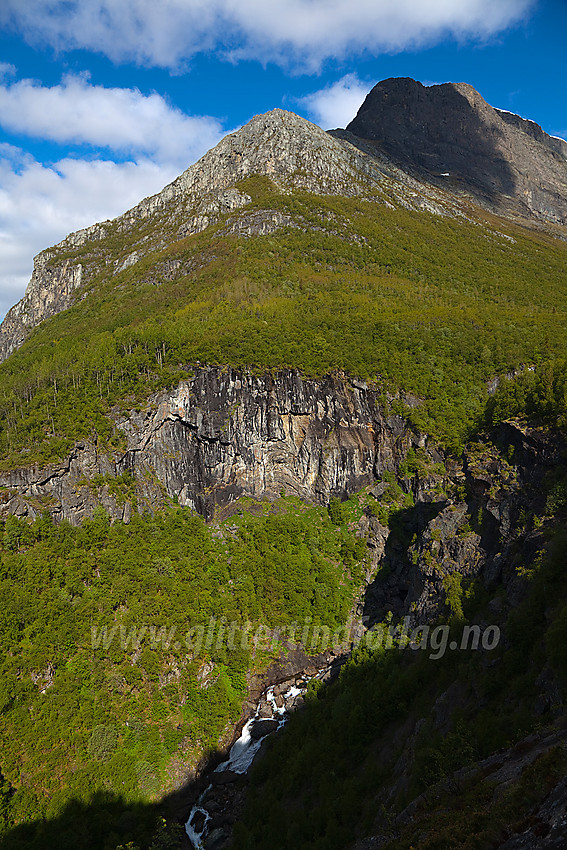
206,825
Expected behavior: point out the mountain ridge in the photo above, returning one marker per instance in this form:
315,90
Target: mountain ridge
283,248
296,154
449,131
288,149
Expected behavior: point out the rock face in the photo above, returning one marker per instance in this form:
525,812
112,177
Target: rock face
222,434
467,528
448,133
50,290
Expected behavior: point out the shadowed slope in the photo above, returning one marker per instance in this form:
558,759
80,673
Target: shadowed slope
450,135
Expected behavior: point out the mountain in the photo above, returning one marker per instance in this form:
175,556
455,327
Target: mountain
448,135
284,248
287,149
315,386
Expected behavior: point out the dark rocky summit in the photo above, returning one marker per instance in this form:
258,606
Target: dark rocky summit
449,134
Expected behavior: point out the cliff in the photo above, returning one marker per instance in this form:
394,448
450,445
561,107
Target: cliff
449,134
222,434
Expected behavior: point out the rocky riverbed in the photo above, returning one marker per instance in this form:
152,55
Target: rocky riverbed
217,797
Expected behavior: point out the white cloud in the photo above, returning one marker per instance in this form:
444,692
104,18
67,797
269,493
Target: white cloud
41,203
123,120
336,104
168,32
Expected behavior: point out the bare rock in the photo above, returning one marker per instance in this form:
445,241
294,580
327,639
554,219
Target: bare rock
261,728
449,135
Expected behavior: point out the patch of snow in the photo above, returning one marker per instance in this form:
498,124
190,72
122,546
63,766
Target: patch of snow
508,112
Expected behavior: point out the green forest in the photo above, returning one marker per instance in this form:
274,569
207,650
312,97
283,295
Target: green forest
106,686
110,686
434,306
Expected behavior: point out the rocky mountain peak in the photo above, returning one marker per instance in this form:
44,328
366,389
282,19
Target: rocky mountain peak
289,150
448,133
277,144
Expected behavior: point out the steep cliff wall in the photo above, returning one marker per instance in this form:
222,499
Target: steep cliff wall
222,434
470,525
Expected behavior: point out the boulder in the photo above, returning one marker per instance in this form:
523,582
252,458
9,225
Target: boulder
261,728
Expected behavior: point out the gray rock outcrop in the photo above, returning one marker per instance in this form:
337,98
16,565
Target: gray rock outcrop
223,434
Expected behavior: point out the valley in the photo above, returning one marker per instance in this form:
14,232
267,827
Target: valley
274,428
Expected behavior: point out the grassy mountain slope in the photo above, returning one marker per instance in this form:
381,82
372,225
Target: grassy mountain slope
436,306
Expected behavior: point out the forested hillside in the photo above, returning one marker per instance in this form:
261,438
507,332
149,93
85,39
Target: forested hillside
439,743
323,398
434,306
126,648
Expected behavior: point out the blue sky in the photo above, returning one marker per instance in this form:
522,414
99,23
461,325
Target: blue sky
103,102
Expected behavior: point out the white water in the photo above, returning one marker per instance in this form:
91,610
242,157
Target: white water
242,751
194,836
294,692
272,700
241,756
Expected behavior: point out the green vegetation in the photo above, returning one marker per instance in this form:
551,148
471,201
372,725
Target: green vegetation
480,814
392,502
110,686
434,306
379,727
120,665
539,394
452,585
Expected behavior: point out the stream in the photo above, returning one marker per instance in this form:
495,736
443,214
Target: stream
271,713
